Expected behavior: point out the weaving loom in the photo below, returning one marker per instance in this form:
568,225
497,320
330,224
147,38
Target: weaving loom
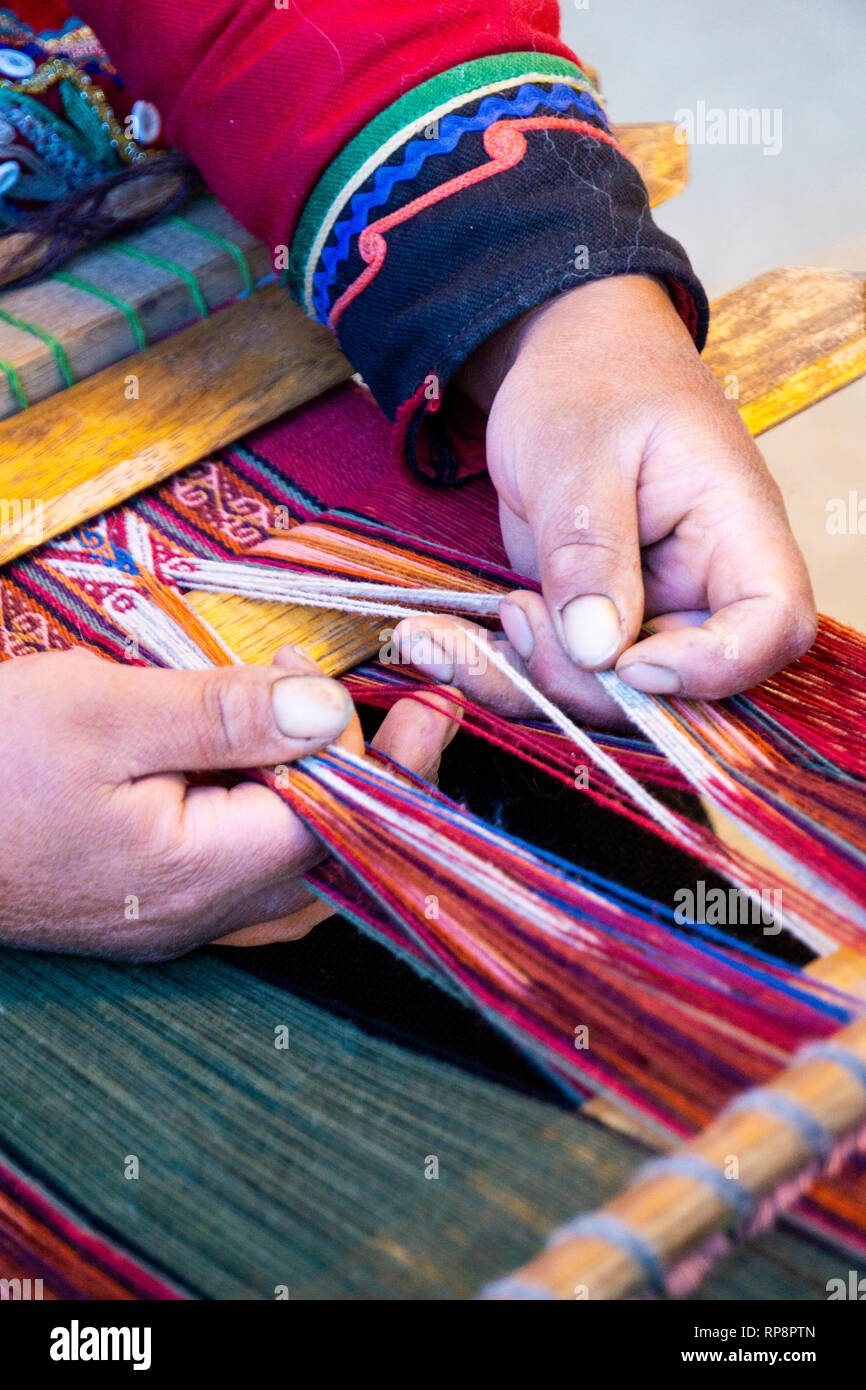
288,535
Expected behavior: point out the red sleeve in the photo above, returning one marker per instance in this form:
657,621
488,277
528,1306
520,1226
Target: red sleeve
262,94
431,171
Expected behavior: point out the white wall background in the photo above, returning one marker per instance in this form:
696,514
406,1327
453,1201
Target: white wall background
745,212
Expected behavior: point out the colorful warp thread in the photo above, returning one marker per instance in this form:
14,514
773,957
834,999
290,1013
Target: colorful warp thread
680,1016
819,910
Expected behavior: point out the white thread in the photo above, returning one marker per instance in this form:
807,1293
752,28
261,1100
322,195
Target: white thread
147,624
261,581
697,767
354,596
655,809
479,872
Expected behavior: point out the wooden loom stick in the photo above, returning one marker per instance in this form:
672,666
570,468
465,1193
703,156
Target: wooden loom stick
91,447
674,1213
253,629
118,297
816,343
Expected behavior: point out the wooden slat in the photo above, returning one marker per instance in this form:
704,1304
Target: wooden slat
128,199
788,339
254,629
89,447
663,160
675,1212
93,332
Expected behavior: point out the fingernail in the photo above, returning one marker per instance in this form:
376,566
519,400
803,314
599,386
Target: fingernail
304,656
299,657
310,707
653,680
420,649
516,626
592,629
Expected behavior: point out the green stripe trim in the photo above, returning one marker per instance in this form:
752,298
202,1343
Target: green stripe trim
49,339
227,245
14,380
127,309
171,266
407,110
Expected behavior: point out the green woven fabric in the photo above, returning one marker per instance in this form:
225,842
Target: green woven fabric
303,1166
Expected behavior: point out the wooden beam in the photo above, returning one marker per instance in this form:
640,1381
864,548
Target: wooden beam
676,1213
95,331
663,160
92,447
788,339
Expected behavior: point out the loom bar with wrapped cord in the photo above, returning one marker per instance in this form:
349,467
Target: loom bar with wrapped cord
735,1178
829,303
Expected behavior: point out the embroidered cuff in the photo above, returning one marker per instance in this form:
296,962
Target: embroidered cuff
478,195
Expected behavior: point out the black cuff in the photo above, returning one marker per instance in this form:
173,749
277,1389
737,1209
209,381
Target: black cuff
510,216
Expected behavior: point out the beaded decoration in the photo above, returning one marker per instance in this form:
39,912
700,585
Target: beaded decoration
60,131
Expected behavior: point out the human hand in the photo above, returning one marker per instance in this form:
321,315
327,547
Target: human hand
108,851
629,486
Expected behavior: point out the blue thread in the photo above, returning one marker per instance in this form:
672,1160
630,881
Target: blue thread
648,911
452,128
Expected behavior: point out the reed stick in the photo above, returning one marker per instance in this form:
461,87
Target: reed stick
675,1213
141,420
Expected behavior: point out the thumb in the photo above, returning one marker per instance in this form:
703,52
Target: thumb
584,532
229,717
